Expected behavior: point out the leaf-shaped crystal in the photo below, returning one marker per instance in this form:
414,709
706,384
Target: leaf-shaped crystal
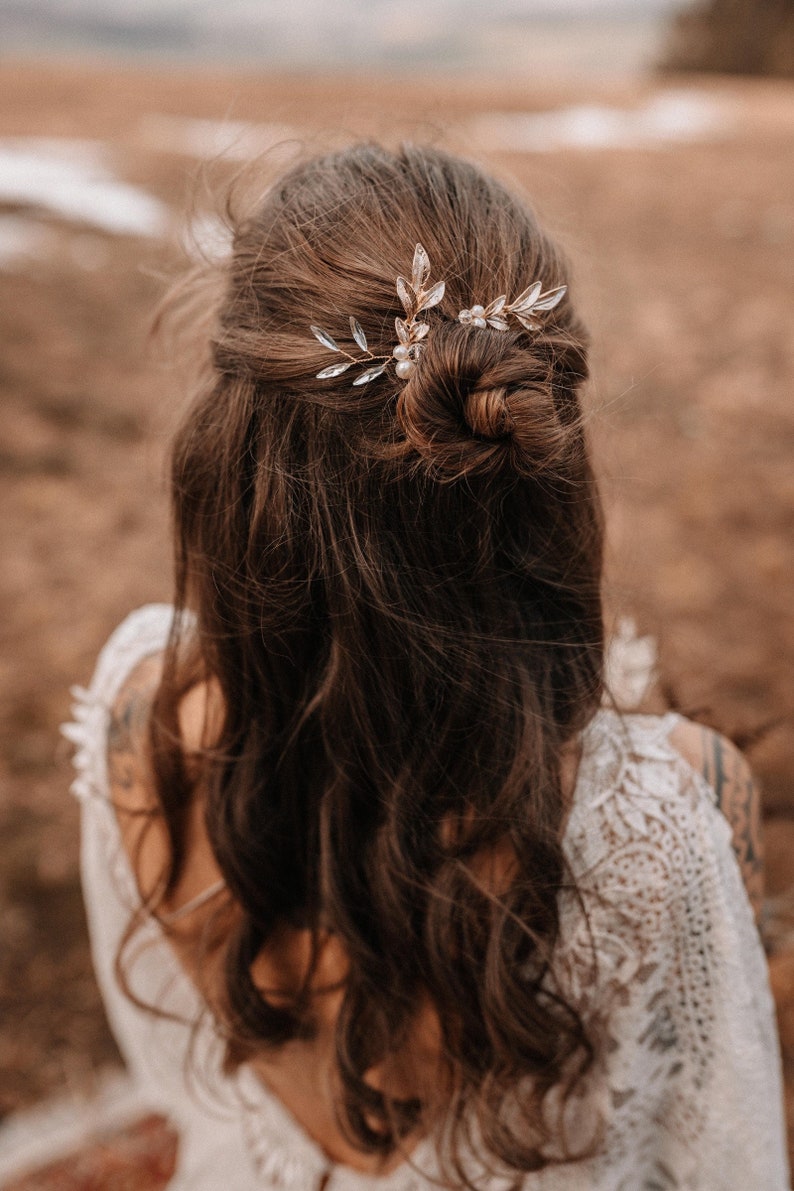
403,334
529,323
405,293
525,301
499,324
497,306
358,334
421,268
334,370
325,338
551,298
369,375
432,297
419,331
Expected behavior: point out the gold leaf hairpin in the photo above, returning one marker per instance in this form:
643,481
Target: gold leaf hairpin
411,331
415,299
530,302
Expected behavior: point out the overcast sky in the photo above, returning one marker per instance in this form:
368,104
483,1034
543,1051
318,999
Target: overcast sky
330,9
403,34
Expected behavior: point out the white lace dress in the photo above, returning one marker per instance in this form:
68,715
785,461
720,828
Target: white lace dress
691,1082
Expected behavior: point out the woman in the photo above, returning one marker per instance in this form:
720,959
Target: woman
370,859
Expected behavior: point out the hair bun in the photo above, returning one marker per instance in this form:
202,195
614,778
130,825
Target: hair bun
481,402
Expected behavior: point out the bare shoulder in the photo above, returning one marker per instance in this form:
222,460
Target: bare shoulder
129,759
133,786
737,795
129,763
133,790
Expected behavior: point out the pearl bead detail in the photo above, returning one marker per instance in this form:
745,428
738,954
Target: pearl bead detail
417,297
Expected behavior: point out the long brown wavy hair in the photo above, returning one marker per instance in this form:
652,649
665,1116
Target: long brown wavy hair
397,593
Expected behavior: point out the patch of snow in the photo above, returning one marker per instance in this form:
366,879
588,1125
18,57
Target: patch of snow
25,239
671,117
71,180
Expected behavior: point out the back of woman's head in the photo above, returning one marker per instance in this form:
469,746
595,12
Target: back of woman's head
397,591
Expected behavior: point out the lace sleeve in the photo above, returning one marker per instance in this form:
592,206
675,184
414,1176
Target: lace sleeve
666,962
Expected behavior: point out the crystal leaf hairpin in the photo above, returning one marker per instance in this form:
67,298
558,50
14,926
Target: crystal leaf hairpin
527,304
416,297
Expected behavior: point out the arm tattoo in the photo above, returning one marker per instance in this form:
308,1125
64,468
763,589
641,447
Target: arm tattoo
127,737
729,775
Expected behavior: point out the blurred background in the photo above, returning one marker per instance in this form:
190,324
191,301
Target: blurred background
656,138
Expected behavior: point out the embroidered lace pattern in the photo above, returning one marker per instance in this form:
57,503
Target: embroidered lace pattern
659,951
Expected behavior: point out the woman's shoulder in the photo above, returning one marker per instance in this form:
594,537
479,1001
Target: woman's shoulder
142,634
650,855
653,778
111,714
113,759
726,771
134,645
619,746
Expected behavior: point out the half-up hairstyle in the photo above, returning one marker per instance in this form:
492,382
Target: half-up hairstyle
397,594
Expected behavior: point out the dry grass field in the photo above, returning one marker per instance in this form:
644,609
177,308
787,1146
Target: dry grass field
683,267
